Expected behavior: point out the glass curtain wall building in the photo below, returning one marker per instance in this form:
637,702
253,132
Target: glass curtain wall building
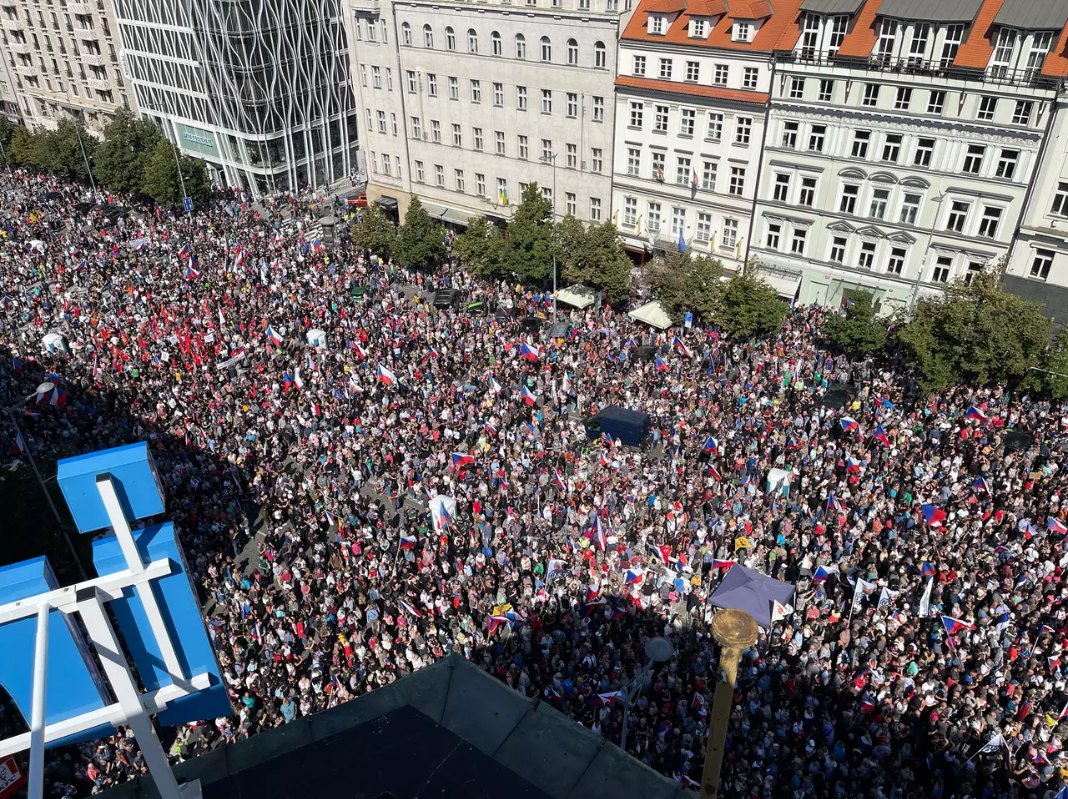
260,89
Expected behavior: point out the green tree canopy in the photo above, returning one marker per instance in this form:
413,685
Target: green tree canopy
860,331
161,176
420,241
974,333
529,253
123,155
686,283
592,256
28,147
481,247
374,232
63,150
747,306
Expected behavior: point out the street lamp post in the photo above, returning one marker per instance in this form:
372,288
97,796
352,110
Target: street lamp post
43,388
657,650
551,159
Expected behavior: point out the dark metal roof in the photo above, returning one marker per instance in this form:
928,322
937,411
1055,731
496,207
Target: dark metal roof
1033,15
932,11
1053,299
832,6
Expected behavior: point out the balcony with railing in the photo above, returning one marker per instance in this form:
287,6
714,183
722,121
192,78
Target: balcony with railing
81,9
922,69
12,23
20,48
95,59
86,33
100,84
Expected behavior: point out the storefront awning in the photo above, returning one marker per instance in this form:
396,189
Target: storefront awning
580,297
784,284
389,203
652,314
443,213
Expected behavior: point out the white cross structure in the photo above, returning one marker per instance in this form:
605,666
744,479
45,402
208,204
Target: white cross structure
86,601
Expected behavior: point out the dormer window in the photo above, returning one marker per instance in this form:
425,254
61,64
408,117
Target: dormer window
656,24
742,32
698,28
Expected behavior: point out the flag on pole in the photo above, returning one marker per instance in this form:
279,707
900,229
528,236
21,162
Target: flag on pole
934,516
980,484
722,565
661,364
954,626
834,504
461,459
881,436
527,396
778,610
925,600
495,387
385,374
711,446
529,351
680,345
823,572
634,576
1055,525
849,424
976,413
273,336
862,586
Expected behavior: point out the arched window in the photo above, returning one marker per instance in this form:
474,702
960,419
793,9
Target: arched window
520,46
428,36
572,52
496,44
406,34
450,39
600,55
472,41
546,49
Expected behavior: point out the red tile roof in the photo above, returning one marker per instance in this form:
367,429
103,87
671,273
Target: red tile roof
706,8
976,50
1056,64
748,9
859,42
778,26
666,6
693,89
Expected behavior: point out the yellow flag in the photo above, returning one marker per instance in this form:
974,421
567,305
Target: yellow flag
741,542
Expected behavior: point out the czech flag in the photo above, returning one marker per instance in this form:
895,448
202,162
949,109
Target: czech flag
722,565
634,576
711,446
191,273
661,364
529,351
821,574
185,251
408,542
881,436
527,396
273,336
927,569
714,472
833,503
608,698
1056,526
849,424
954,626
976,413
495,387
852,464
680,346
608,440
461,459
386,375
980,484
360,351
558,476
933,516
409,608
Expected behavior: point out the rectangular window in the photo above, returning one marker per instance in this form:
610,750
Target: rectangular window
698,28
880,198
693,71
454,88
789,134
892,147
678,222
634,161
990,222
547,150
839,27
1060,200
458,177
572,105
665,69
660,118
498,139
729,238
797,88
903,99
987,107
743,130
708,175
715,126
570,203
973,159
457,137
417,129
598,109
826,91
951,44
737,184
866,256
719,75
887,37
521,98
682,171
381,116
420,174
871,95
1041,42
816,138
781,189
704,227
751,76
910,209
502,189
958,216
861,139
571,156
936,101
1041,264
595,209
797,241
847,204
480,184
630,211
807,195
477,135
943,268
921,34
439,175
435,131
638,68
838,248
654,217
1021,115
659,160
1003,50
895,264
546,101
523,146
924,151
1007,162
687,121
498,95
376,77
637,111
432,84
773,236
409,78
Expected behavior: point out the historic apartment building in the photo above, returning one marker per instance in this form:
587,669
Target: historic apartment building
465,103
61,61
259,89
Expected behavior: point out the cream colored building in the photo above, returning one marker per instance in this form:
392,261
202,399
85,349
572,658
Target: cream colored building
61,61
464,104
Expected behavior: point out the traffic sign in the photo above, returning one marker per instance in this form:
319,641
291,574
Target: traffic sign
187,204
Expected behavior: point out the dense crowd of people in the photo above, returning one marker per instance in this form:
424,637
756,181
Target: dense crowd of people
920,656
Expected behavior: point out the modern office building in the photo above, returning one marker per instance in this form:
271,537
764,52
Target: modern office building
259,89
464,104
61,62
691,103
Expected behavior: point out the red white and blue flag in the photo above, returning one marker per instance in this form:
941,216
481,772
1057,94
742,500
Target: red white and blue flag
273,336
529,351
934,516
980,484
609,698
849,424
881,436
1055,525
385,374
461,459
976,413
527,396
661,364
408,542
711,446
954,626
680,346
634,576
